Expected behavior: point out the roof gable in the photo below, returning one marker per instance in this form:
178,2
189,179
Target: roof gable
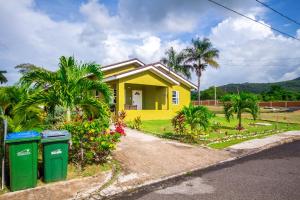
143,69
175,75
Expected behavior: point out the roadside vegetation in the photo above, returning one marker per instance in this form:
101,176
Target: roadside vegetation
65,100
202,126
221,133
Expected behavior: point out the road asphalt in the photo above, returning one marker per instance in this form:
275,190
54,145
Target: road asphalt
270,174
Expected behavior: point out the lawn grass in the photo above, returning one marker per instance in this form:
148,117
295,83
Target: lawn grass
221,133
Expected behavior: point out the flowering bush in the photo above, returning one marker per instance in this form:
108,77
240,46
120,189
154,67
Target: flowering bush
119,123
119,128
92,142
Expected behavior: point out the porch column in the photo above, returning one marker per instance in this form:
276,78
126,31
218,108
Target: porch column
169,97
120,96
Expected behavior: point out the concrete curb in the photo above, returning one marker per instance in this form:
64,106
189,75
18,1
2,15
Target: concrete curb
60,190
118,191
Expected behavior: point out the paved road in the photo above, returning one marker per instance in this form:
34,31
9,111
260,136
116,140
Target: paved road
271,174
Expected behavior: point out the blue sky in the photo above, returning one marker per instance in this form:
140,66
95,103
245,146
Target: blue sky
107,31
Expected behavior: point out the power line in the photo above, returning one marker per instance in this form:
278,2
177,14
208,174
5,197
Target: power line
283,15
260,60
279,31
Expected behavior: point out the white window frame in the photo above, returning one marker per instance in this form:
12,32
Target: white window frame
175,100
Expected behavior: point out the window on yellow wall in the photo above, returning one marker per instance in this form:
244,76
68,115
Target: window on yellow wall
175,97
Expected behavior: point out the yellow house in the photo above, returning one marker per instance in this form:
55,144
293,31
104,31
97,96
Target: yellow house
150,91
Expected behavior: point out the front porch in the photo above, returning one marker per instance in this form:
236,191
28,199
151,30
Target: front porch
145,97
146,101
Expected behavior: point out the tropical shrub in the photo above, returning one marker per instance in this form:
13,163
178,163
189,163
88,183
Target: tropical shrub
137,123
197,117
179,123
92,142
31,117
239,103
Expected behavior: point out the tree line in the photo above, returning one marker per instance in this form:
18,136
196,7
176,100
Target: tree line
275,93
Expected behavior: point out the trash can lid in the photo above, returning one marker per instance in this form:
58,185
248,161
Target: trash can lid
24,135
53,135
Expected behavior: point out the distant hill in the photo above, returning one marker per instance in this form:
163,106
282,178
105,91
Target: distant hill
291,85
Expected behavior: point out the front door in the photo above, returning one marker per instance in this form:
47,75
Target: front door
137,99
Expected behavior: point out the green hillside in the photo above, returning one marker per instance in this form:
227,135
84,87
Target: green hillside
291,85
285,90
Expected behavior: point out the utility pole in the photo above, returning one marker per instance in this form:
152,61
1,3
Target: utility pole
215,96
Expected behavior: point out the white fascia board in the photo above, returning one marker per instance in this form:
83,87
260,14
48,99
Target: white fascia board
176,75
122,64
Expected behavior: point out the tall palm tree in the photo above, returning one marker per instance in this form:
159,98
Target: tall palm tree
3,79
200,55
175,61
70,86
239,103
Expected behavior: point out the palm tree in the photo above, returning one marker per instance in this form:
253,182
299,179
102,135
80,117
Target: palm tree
71,86
3,79
30,116
9,97
239,103
175,61
200,55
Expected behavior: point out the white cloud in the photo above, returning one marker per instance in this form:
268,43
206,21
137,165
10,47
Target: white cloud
250,52
139,29
30,36
150,49
298,33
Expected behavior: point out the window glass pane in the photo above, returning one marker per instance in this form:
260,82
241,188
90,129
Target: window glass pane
175,97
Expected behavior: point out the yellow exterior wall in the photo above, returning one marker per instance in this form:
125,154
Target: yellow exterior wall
164,108
184,97
149,114
119,70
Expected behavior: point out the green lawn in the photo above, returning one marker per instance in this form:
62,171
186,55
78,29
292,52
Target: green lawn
221,134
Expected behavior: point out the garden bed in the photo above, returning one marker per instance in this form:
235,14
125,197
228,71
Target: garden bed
220,134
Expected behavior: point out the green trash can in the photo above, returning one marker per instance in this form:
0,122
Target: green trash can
23,159
55,155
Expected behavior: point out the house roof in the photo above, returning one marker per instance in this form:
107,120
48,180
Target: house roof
123,63
170,71
140,70
161,69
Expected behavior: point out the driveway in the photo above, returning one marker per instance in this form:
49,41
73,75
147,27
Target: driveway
146,157
270,174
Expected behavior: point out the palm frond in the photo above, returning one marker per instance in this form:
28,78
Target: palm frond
3,79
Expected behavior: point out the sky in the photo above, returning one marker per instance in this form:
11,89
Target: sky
108,31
